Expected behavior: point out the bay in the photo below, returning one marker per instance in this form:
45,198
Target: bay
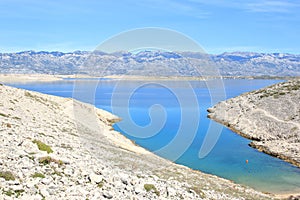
228,157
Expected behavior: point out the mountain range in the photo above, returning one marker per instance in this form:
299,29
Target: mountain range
153,63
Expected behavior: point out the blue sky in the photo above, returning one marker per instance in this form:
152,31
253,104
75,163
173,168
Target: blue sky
218,26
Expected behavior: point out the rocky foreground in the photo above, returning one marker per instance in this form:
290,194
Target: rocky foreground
43,155
269,116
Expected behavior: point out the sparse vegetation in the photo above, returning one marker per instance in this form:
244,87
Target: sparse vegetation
7,175
56,172
139,176
17,118
3,115
64,130
295,128
66,146
28,94
283,89
18,192
38,175
113,121
38,98
100,185
9,192
151,187
42,146
15,193
30,157
47,160
43,134
198,191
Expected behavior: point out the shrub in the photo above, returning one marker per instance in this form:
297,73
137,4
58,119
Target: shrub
47,160
149,187
8,176
19,192
38,175
42,146
11,192
100,185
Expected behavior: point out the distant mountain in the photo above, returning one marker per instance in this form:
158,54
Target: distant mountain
156,63
258,64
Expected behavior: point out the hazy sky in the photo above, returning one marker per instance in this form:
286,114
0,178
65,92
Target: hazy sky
219,26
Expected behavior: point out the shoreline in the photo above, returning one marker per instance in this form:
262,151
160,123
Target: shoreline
127,145
28,78
260,148
100,161
268,117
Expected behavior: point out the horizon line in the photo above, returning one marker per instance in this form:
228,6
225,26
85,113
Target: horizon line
89,51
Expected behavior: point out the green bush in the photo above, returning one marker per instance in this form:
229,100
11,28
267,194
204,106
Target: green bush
47,160
38,175
15,193
149,187
42,146
8,176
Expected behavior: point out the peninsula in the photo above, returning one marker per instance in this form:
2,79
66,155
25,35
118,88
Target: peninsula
269,116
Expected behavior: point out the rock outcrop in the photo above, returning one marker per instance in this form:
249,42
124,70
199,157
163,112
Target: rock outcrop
44,156
269,116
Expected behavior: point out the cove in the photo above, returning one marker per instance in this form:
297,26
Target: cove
228,157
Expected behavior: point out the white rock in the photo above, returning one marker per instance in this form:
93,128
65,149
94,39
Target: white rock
16,187
95,178
171,191
46,181
68,171
138,189
107,195
15,182
31,197
44,192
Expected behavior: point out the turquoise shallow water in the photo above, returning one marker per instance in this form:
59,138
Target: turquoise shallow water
227,158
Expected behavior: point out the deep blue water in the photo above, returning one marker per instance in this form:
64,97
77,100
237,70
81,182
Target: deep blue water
228,157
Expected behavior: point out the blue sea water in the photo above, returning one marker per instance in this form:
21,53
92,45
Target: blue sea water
228,157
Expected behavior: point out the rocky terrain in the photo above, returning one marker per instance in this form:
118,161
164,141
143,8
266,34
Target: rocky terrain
153,63
269,116
46,152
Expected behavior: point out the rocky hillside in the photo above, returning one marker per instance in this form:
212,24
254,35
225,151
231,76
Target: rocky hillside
46,152
270,117
153,63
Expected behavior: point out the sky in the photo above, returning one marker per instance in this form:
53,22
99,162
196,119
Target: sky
269,26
